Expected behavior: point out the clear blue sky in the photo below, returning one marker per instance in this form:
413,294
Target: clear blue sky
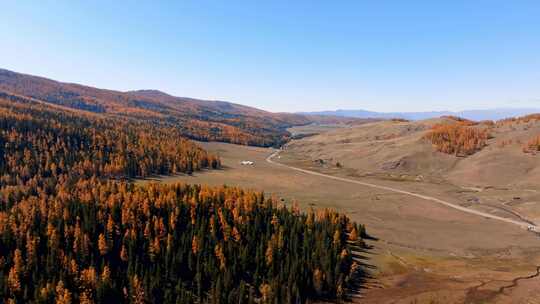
290,55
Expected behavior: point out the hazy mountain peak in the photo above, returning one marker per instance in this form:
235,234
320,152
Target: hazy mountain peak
477,114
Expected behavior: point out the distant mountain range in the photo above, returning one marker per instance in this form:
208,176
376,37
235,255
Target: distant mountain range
487,114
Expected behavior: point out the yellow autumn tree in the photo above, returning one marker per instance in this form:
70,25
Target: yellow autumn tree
102,244
14,281
63,295
195,244
218,251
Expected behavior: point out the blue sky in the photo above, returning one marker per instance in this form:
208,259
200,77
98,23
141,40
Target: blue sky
280,56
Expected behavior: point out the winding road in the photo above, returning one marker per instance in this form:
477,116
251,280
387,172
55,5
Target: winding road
521,224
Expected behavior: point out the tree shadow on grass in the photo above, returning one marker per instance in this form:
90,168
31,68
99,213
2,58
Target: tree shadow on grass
362,278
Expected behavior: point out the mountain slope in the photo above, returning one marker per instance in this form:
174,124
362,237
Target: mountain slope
197,119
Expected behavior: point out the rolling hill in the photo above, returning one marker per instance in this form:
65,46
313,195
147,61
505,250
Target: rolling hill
205,120
403,149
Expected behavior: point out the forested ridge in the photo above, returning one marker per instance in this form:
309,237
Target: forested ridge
204,120
74,229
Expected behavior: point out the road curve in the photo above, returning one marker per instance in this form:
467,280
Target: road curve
521,224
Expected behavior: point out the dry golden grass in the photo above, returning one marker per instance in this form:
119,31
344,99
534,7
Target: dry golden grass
532,146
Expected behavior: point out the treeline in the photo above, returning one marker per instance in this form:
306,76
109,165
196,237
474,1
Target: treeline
460,139
217,131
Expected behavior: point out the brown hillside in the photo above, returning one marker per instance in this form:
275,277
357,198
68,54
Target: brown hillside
205,120
400,149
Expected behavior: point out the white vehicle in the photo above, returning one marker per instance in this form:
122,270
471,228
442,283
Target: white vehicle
531,228
246,163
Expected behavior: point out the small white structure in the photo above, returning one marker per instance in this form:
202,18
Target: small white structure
246,163
531,228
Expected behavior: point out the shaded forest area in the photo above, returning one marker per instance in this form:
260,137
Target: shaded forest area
73,229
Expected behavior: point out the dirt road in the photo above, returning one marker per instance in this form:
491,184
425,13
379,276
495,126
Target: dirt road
521,224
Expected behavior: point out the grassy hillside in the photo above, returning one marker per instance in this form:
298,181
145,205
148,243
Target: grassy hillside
463,152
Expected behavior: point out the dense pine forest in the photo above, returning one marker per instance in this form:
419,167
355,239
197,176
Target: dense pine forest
74,229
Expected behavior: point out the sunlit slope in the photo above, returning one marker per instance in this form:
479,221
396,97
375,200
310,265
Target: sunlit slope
401,149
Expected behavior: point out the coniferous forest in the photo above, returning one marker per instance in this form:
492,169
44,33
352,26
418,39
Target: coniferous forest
75,229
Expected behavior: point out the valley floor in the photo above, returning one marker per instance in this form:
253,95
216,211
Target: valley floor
425,253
